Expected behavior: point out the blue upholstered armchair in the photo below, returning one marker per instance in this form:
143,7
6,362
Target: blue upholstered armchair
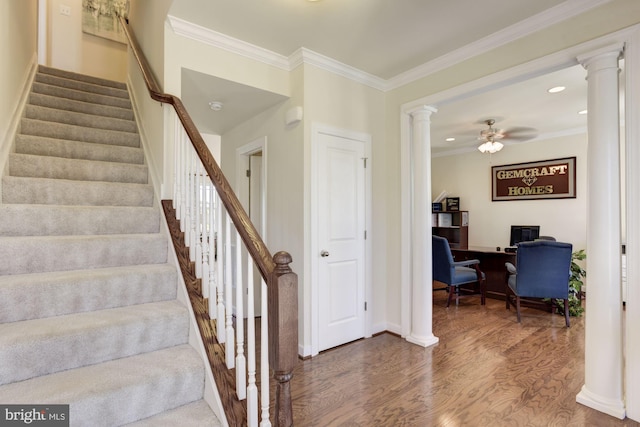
454,274
542,271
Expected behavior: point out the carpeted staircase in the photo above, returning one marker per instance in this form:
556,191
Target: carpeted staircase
88,308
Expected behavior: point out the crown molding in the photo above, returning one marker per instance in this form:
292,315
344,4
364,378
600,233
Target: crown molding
230,44
559,13
554,15
306,56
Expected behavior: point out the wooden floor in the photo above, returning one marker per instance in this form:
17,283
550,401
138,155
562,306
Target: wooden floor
487,370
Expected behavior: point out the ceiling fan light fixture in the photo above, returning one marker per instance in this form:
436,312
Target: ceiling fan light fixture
489,137
491,147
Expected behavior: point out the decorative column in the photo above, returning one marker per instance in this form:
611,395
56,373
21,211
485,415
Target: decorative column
421,283
632,184
603,379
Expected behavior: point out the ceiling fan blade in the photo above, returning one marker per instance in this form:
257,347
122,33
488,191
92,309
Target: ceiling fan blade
520,134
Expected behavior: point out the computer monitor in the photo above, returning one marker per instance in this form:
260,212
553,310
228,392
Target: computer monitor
523,233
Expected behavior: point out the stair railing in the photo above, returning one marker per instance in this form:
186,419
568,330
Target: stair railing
218,232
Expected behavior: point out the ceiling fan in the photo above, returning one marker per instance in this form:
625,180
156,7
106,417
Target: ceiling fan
491,136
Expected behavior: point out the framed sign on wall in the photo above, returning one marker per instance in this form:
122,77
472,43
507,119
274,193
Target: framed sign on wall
545,179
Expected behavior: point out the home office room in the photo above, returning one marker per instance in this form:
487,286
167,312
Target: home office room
527,135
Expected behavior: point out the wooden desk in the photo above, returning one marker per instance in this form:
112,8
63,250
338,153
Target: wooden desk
492,264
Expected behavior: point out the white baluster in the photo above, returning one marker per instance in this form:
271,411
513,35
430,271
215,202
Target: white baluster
222,336
183,180
177,147
193,234
200,232
241,363
230,350
252,389
187,199
208,285
264,357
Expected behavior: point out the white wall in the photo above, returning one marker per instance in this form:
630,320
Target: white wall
147,22
468,176
71,49
344,104
18,20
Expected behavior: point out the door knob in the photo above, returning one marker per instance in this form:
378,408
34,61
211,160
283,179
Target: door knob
324,254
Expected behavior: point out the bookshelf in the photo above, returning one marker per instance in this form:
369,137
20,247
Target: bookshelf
453,226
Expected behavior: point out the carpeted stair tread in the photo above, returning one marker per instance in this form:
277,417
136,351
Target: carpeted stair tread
80,85
120,391
81,77
28,220
63,253
78,133
42,146
43,346
48,191
41,295
80,106
29,165
78,95
196,414
55,115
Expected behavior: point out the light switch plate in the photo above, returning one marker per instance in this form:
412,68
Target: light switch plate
65,10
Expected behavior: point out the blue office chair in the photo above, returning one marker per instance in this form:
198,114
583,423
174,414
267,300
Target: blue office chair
456,274
542,270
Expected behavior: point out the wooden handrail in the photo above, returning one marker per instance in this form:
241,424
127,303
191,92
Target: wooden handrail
250,236
281,281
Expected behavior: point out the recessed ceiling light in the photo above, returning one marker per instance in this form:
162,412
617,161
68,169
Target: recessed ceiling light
556,89
582,112
450,139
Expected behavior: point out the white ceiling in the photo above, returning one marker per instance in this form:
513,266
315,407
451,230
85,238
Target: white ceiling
386,38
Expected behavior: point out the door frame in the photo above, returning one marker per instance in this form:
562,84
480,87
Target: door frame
242,184
318,129
243,156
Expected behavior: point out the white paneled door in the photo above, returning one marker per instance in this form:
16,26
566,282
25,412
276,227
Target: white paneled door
341,238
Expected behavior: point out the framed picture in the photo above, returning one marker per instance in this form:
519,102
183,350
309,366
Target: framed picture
546,179
453,204
100,18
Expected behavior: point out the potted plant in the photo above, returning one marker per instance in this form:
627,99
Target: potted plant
575,286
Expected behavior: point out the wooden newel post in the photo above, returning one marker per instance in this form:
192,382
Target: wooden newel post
283,334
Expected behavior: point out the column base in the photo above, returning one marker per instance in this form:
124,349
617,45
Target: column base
423,341
615,408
